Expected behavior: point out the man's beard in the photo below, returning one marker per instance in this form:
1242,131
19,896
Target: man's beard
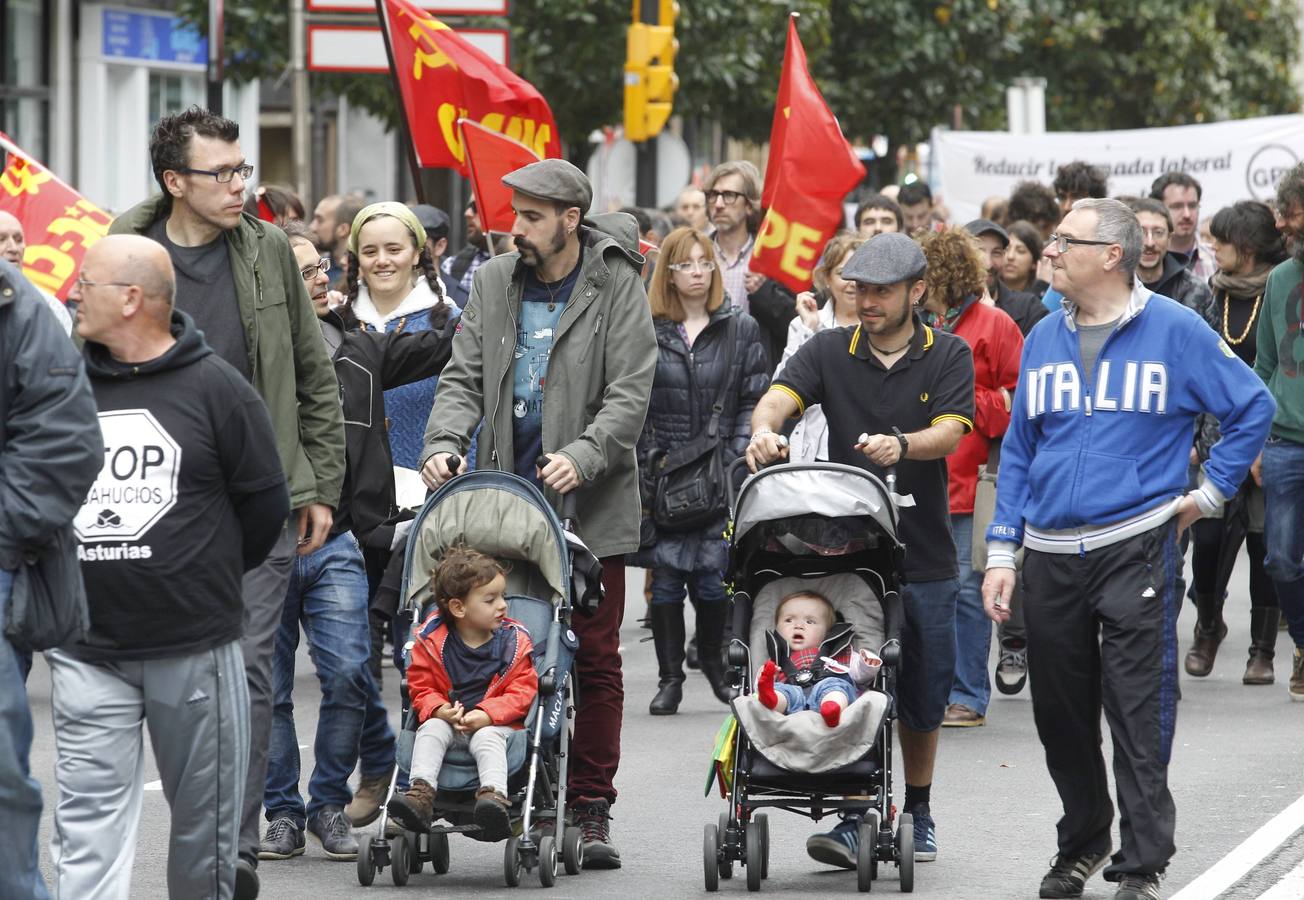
1296,248
532,256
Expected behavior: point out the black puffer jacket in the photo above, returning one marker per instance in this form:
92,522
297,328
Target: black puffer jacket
1179,284
683,390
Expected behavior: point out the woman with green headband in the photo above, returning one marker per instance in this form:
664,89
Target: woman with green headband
386,292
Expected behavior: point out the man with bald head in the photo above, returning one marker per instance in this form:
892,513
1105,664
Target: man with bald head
13,241
190,496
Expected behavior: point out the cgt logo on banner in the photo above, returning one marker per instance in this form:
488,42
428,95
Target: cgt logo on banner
1236,160
136,486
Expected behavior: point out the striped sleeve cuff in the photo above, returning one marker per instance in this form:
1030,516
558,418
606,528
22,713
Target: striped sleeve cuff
955,417
796,398
1208,497
1000,554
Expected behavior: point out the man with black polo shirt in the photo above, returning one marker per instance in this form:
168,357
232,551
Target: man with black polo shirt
898,394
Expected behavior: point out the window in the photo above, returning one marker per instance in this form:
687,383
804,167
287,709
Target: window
24,75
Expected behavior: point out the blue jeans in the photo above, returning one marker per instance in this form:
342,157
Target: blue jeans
799,700
328,594
20,794
670,585
927,653
376,746
1283,528
973,630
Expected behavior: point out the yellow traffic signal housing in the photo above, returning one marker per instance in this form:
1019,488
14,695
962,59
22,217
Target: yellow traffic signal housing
650,80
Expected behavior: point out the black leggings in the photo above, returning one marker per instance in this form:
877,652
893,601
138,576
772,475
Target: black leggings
1206,535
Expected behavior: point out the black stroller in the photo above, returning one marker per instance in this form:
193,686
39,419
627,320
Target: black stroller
832,529
551,573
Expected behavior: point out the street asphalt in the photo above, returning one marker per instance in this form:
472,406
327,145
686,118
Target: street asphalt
1236,764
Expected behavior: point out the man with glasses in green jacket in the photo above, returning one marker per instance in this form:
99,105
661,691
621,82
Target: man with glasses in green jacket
237,278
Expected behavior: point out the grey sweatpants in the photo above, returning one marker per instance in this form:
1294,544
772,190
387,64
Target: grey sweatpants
197,709
488,746
264,598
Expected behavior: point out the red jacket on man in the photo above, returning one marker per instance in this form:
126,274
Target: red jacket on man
997,344
510,693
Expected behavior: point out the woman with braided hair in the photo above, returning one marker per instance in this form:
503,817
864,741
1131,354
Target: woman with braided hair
393,286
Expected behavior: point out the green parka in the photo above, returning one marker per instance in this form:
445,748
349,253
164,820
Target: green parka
600,372
290,368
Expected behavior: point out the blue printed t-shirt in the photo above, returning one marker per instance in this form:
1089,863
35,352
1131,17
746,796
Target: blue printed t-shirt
470,670
541,309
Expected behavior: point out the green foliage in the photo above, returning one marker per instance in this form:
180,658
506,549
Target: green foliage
1120,64
899,67
893,67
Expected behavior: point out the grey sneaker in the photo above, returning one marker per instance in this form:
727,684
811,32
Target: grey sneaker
284,839
1138,887
332,829
1068,875
1012,669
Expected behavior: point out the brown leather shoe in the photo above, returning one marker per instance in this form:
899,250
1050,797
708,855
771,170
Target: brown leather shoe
493,813
1263,646
415,809
1199,659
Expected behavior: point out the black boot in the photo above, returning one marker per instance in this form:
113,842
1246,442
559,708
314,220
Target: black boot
1210,629
1263,645
668,638
710,647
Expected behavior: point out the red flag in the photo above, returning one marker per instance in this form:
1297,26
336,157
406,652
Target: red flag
59,224
811,168
490,156
443,78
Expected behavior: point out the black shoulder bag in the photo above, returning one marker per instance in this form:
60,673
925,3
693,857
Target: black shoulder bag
690,490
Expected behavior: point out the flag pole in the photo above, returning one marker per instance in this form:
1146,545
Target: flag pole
405,133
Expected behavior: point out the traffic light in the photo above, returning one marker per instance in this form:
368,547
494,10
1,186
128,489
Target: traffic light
650,80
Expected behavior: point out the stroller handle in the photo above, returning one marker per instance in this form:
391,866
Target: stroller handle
567,511
731,481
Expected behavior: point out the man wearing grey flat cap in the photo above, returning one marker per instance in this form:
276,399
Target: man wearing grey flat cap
896,394
555,351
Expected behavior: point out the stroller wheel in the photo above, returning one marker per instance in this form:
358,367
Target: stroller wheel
572,850
548,861
399,848
711,859
512,862
439,853
755,861
762,822
722,836
866,838
906,851
415,860
366,865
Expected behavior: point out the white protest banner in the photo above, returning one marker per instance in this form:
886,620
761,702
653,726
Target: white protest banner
1237,160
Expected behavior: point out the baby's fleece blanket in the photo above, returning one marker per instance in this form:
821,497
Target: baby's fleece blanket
802,742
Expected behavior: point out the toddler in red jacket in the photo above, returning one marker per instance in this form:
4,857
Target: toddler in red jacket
472,681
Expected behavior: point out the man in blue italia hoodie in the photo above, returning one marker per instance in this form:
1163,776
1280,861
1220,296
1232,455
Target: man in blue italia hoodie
1093,485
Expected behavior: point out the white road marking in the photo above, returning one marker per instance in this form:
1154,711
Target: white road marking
1253,850
1291,887
158,785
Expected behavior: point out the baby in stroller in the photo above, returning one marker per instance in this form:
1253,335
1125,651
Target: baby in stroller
471,680
810,659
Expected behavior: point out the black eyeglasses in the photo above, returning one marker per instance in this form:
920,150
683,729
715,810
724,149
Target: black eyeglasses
223,176
310,272
1063,243
729,197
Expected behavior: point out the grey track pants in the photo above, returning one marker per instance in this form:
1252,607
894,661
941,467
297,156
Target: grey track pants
488,746
197,710
264,598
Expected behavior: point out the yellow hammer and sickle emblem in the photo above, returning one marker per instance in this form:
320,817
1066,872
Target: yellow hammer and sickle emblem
923,398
